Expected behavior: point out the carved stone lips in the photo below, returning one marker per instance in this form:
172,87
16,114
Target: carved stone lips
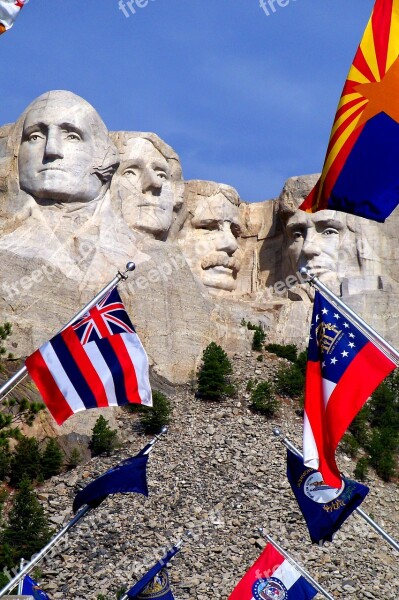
220,259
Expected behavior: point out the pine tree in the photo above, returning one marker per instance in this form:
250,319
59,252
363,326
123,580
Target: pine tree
5,332
26,461
153,419
213,376
258,339
74,459
52,459
27,530
263,399
103,438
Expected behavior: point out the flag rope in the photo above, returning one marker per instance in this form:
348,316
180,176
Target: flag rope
16,379
370,333
54,541
389,539
298,567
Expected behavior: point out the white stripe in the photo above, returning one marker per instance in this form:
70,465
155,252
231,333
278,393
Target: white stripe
103,371
139,358
61,378
328,388
8,12
287,574
310,453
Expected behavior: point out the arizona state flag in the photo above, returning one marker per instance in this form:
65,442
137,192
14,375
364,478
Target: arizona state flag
9,10
361,170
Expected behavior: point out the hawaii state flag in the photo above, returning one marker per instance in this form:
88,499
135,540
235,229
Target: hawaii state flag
272,576
9,10
96,362
324,508
343,370
361,170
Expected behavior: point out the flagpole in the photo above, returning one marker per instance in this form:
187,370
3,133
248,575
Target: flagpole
22,373
390,540
296,565
21,583
385,347
54,541
178,545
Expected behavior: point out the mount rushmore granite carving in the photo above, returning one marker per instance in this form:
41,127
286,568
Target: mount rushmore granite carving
147,189
210,233
77,203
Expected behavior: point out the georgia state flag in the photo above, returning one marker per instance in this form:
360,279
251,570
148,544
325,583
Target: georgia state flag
9,10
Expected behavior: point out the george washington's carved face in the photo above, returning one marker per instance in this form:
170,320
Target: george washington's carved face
57,155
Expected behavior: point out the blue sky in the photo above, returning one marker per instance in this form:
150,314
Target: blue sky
244,98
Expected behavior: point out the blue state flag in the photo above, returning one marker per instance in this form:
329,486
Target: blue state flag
155,583
324,508
128,476
30,588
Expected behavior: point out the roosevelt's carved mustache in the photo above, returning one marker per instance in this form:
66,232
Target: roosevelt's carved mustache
220,259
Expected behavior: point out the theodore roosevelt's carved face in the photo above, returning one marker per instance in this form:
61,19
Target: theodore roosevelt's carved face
209,242
60,143
144,188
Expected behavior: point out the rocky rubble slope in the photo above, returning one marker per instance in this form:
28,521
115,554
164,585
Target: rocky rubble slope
221,474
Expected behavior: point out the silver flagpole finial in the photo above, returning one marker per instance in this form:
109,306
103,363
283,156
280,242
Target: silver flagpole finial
130,267
277,431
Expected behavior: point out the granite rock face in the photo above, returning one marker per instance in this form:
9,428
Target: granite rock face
77,203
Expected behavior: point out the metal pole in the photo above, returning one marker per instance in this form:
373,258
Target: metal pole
390,540
54,541
22,373
37,558
368,331
21,583
295,564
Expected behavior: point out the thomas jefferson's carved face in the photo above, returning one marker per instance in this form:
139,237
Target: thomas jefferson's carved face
143,184
209,242
58,149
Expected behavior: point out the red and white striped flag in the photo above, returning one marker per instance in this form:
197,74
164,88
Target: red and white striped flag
9,10
96,362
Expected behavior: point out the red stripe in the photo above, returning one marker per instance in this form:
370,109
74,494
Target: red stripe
315,411
48,388
361,65
348,105
381,22
337,166
344,125
364,374
264,567
95,314
84,364
131,385
312,202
